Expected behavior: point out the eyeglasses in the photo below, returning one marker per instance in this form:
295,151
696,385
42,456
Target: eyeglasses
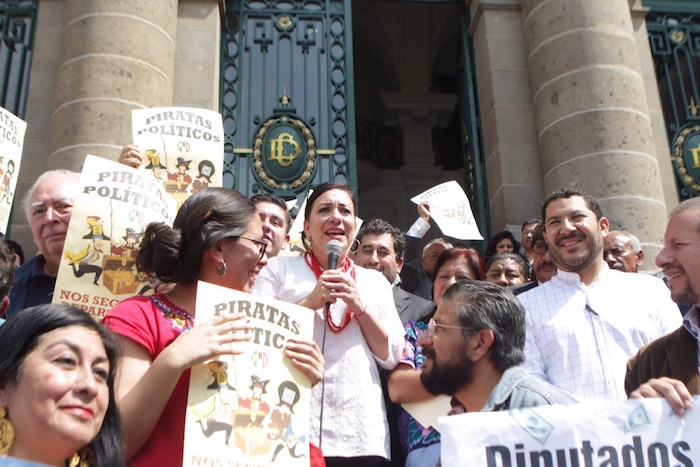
539,248
432,325
262,246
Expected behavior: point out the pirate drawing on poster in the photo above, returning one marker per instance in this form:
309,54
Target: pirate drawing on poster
280,422
215,413
206,170
181,178
154,164
130,247
253,409
6,180
89,259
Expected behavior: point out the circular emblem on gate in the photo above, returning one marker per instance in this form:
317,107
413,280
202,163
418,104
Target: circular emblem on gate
686,156
284,153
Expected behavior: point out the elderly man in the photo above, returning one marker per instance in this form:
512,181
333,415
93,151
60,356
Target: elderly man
381,247
276,221
674,356
597,317
48,205
474,348
622,251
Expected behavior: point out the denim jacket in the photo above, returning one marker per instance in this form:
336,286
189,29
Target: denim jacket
517,389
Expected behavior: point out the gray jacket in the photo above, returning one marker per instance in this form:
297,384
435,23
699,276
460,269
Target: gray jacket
517,389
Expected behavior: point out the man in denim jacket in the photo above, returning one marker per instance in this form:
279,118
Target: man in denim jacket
474,348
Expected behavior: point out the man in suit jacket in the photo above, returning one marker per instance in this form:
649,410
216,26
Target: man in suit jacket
381,247
668,366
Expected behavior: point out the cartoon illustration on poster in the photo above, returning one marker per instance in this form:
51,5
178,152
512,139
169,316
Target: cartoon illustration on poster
251,408
12,130
183,148
98,265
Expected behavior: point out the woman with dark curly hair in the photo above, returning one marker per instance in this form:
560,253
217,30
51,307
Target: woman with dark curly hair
57,407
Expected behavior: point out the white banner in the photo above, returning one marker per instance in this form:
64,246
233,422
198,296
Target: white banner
450,208
12,130
642,432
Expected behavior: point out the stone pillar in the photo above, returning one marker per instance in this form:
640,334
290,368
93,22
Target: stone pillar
115,56
592,116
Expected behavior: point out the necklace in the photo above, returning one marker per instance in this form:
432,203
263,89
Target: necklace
315,266
179,318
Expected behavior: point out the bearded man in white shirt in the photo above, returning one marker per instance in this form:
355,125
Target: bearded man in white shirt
585,323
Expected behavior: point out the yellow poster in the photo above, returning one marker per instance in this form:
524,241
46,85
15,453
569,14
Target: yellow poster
98,264
251,409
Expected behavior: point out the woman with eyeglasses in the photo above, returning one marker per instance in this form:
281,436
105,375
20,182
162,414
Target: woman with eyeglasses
422,445
216,237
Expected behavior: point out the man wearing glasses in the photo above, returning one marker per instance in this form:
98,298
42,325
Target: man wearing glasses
543,266
473,350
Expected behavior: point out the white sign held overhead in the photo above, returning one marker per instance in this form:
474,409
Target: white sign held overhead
450,208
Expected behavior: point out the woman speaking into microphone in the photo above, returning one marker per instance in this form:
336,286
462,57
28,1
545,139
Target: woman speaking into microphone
355,312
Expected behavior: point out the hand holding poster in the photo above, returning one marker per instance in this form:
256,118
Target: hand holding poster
450,208
183,148
640,432
98,264
253,408
12,131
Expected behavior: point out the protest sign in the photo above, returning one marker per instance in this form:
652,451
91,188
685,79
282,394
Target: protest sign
250,409
12,131
98,264
183,148
450,208
640,432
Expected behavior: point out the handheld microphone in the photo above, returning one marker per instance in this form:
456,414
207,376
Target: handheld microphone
333,249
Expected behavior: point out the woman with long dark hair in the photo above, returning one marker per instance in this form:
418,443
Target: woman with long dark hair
57,405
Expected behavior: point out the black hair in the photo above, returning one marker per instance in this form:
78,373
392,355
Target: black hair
565,193
523,263
381,227
174,254
7,270
276,200
21,334
318,191
483,305
497,237
530,221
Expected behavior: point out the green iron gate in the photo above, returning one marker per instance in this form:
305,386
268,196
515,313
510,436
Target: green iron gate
17,29
674,36
287,95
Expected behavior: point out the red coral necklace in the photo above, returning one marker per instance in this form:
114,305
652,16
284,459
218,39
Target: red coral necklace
315,266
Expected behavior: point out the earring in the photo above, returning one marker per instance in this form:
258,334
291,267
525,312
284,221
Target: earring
83,458
221,268
7,432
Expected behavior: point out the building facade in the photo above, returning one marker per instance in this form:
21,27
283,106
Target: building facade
512,98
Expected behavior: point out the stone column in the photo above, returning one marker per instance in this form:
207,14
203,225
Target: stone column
592,117
115,56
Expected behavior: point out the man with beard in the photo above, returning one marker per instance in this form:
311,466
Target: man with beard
473,350
588,320
675,356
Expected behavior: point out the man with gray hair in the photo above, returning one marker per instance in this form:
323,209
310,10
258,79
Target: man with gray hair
473,350
48,206
623,251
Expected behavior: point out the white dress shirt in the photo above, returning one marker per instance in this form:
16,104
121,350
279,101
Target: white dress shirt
354,416
579,338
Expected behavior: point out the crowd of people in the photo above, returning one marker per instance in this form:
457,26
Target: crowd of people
393,324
